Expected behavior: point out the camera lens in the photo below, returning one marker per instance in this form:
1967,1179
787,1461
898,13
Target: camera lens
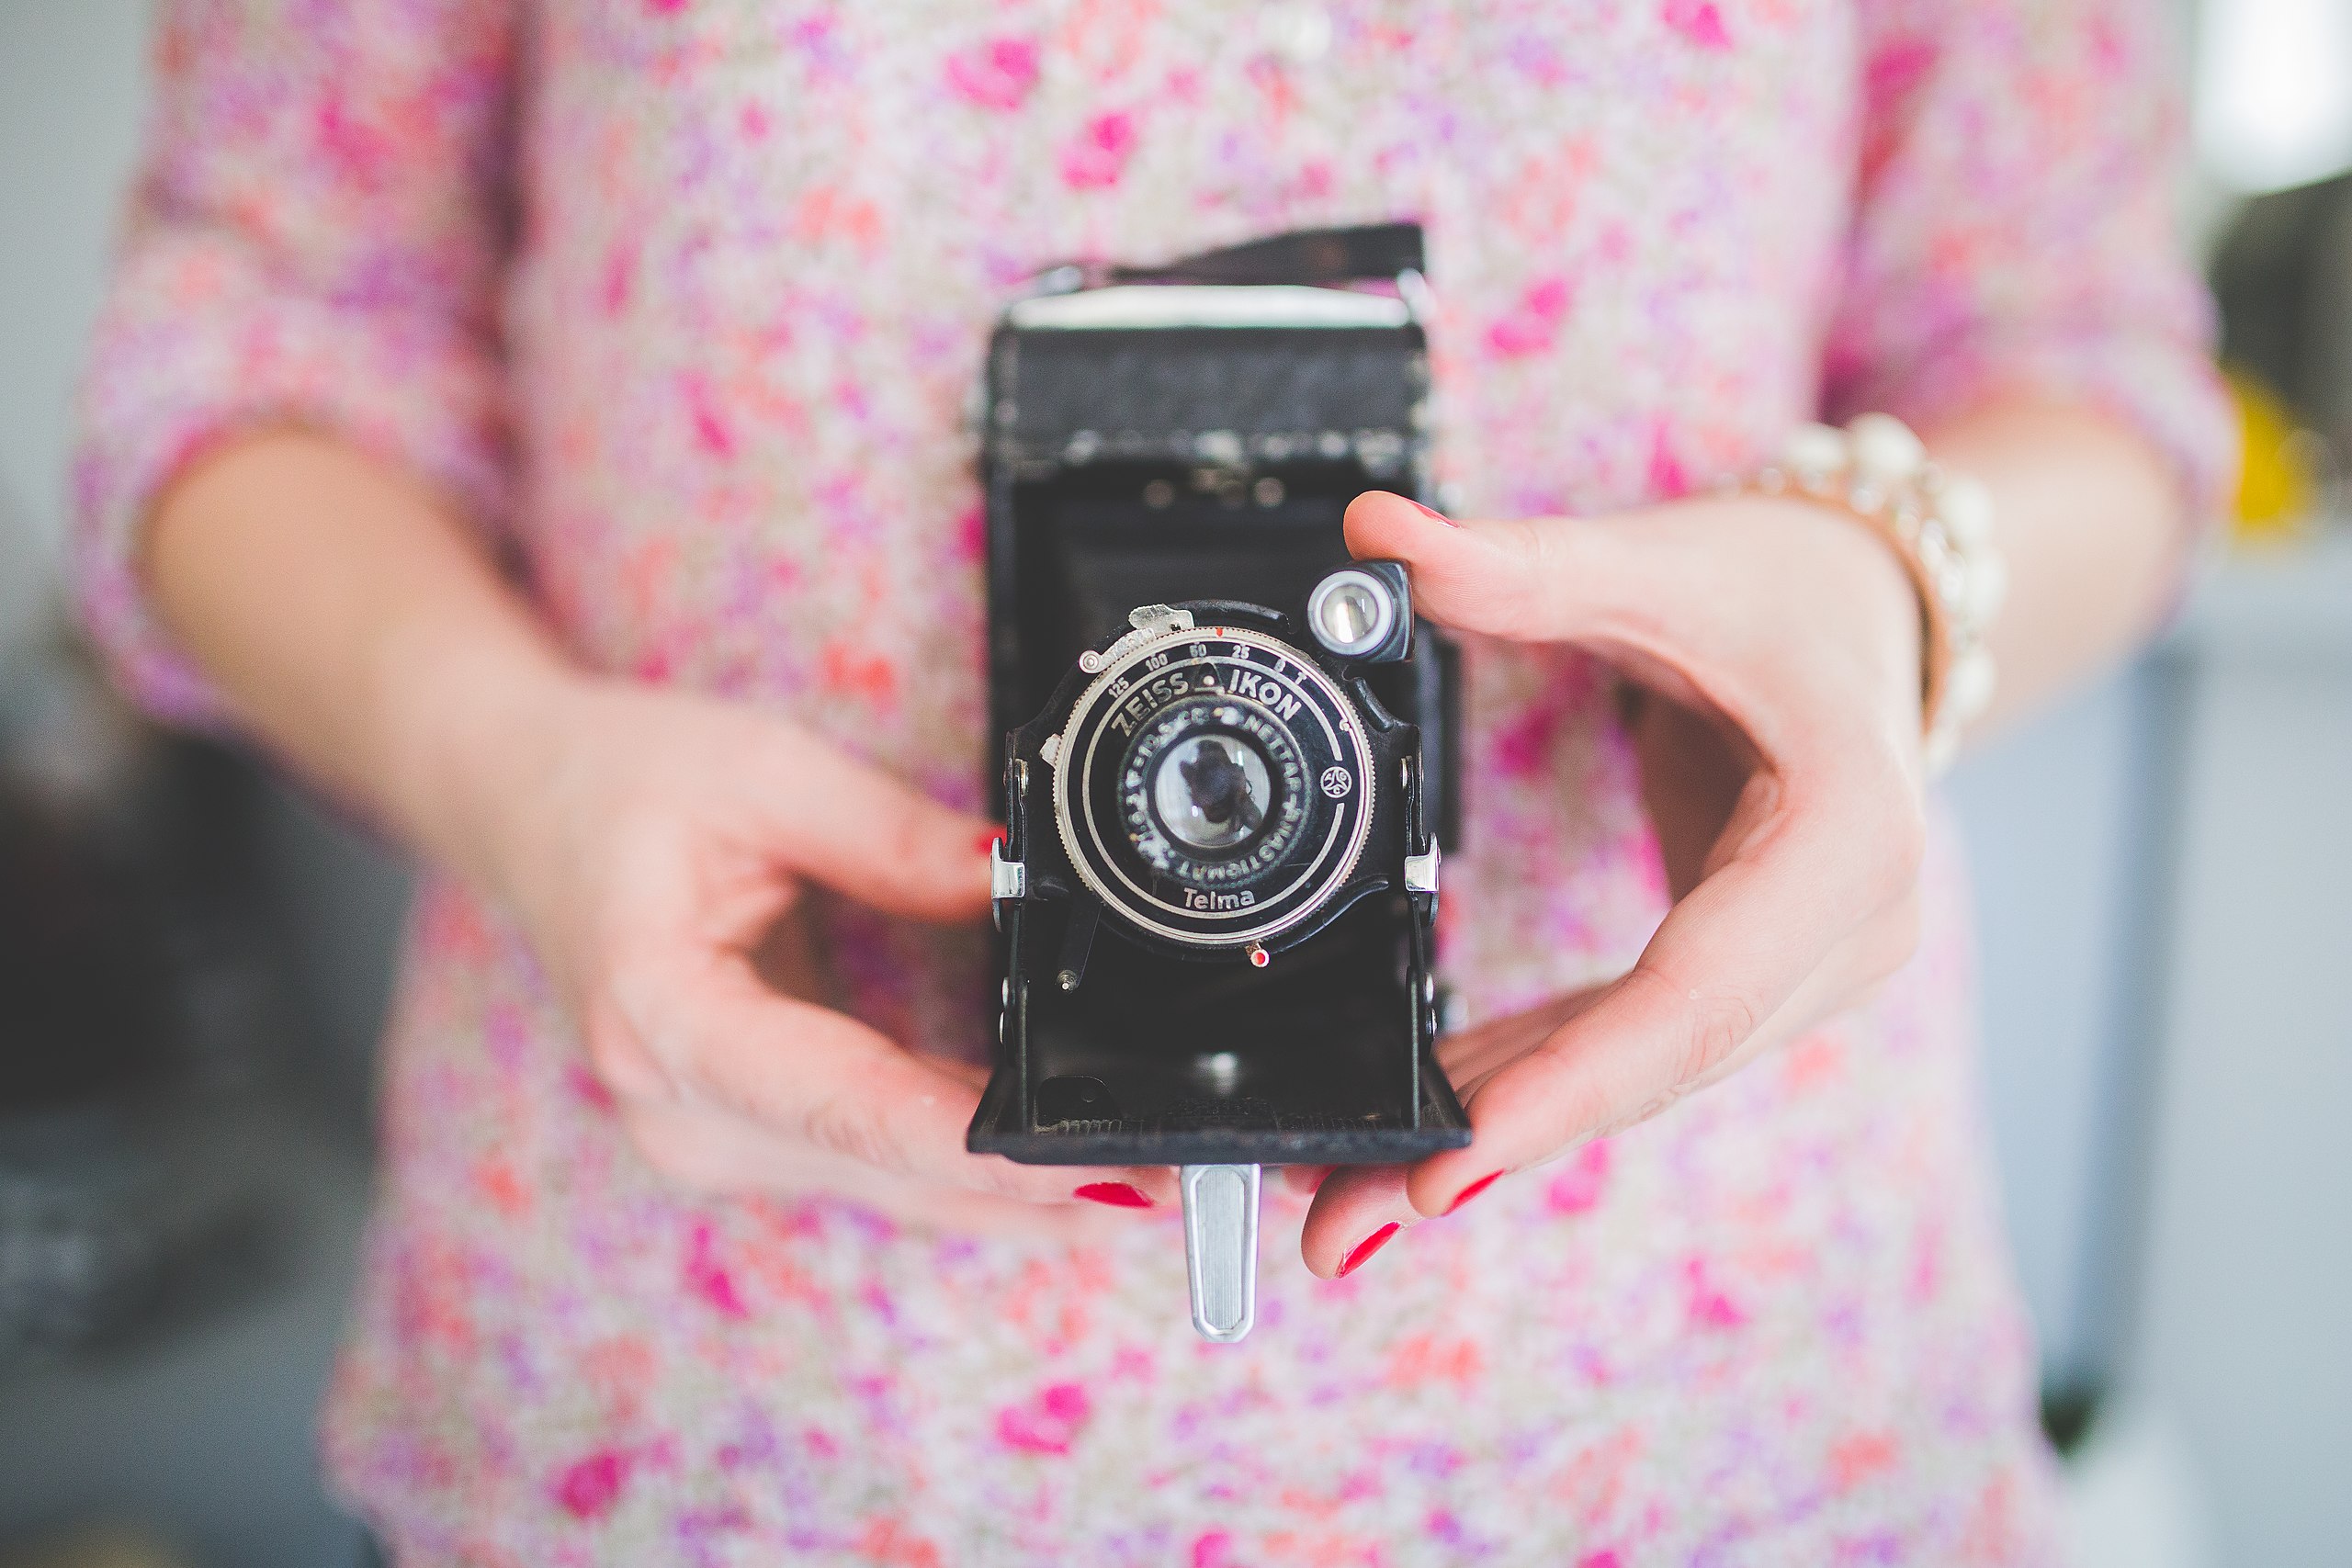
1213,792
1211,785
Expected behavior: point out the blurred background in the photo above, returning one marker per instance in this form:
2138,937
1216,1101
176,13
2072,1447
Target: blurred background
193,959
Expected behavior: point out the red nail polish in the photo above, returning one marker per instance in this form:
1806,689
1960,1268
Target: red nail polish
1427,511
1118,1194
1473,1190
1365,1248
992,839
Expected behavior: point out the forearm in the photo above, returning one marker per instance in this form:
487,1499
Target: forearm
354,624
2092,524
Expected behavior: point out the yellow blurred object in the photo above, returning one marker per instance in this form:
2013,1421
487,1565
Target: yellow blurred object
101,1547
2278,483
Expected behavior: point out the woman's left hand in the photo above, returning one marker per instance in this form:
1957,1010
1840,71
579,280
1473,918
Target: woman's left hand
1776,644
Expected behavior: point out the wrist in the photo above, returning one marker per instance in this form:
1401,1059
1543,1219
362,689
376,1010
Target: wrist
1939,526
1854,580
471,731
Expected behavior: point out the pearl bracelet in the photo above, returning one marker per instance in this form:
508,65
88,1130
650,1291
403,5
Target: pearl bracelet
1941,526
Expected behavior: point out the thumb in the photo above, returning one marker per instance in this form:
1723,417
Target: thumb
872,838
1513,579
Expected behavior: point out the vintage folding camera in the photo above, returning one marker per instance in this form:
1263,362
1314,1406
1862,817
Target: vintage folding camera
1230,755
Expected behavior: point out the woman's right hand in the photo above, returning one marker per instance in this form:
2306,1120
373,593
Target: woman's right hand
654,844
656,847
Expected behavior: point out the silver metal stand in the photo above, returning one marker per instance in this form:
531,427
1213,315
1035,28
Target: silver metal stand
1221,1247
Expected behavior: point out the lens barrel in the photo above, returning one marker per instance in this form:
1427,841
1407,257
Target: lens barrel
1213,786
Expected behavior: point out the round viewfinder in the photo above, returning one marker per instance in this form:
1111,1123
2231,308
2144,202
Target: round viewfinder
1351,612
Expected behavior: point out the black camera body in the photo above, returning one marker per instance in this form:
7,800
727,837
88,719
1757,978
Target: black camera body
1231,753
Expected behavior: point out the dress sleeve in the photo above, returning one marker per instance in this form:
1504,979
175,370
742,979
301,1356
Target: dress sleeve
2015,227
314,239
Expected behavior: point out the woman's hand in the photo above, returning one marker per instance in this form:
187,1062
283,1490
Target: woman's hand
654,844
1775,646
656,854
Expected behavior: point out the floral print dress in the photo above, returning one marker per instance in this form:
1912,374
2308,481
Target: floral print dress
682,301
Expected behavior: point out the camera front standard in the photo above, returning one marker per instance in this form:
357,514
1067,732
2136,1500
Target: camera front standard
1230,762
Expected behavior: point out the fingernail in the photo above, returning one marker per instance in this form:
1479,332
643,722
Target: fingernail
990,839
1473,1190
1365,1248
1430,511
1118,1194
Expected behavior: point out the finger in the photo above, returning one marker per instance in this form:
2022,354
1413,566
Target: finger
1645,590
1726,963
1469,1054
1513,580
1355,1206
820,1077
1637,578
1635,594
713,1151
1360,1212
872,838
1306,1179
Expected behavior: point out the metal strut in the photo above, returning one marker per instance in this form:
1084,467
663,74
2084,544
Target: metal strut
1221,1247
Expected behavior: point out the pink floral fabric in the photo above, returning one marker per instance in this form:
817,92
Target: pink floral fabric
683,299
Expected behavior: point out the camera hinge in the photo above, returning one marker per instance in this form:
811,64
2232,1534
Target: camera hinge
1008,879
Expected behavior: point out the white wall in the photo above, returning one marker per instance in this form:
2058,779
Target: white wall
2055,820
71,96
2244,1336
